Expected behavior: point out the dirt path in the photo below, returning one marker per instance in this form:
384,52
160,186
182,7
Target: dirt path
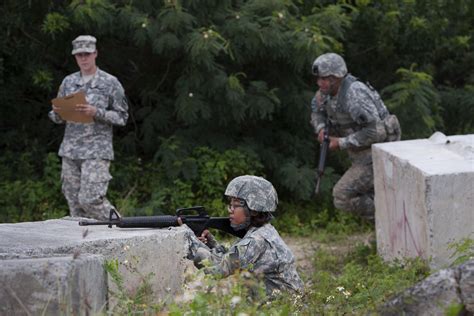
304,248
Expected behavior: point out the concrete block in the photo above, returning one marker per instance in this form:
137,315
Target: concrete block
154,255
53,286
424,196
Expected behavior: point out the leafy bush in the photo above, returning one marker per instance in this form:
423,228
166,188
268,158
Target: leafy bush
416,103
30,198
180,176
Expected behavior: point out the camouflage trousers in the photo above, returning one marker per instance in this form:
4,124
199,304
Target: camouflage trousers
84,185
354,192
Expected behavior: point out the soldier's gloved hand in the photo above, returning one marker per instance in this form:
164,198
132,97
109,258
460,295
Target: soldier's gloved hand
87,109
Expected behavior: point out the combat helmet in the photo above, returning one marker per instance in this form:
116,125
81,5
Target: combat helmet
258,193
329,64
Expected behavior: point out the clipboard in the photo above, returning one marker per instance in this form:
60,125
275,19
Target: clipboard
67,108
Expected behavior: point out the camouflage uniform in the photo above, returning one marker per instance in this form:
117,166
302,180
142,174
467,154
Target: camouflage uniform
262,251
358,116
86,149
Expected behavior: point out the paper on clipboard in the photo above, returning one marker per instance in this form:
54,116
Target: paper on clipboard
67,107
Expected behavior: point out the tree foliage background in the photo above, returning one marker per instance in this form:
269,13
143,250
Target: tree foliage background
219,88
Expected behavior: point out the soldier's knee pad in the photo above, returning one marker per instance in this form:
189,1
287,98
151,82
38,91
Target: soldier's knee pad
341,197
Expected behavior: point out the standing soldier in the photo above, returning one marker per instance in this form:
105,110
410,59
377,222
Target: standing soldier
86,149
252,200
357,119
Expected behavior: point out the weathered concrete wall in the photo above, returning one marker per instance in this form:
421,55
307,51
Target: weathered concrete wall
53,286
424,196
75,252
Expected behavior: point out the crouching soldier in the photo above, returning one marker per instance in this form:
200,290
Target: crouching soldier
252,200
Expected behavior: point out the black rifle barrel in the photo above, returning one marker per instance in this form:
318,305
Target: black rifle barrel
137,222
323,152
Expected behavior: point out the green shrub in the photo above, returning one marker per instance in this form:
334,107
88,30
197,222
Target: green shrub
26,197
198,178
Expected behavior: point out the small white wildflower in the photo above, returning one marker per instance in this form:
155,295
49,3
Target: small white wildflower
329,298
126,247
280,15
125,262
276,292
340,288
237,16
234,301
144,25
205,35
346,294
191,94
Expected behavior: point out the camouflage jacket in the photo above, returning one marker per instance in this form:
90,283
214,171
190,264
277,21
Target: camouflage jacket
93,140
262,252
355,117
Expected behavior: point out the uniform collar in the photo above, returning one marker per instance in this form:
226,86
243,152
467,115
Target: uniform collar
94,81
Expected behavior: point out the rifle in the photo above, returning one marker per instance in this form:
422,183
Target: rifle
198,223
323,152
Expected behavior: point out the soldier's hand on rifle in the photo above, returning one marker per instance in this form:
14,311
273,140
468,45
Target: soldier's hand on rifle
321,136
208,238
204,236
333,143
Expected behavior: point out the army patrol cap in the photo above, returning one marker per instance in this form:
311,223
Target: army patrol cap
330,64
258,193
84,44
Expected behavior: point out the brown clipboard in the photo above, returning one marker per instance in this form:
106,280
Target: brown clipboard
67,108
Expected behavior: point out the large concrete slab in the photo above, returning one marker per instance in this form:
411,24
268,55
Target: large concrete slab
154,255
53,286
424,196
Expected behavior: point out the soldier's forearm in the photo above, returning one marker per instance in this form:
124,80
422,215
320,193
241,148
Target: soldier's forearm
112,117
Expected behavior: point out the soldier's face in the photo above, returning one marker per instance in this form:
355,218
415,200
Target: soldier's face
86,62
328,85
236,212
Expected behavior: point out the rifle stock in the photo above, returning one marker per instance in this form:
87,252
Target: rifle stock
198,223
